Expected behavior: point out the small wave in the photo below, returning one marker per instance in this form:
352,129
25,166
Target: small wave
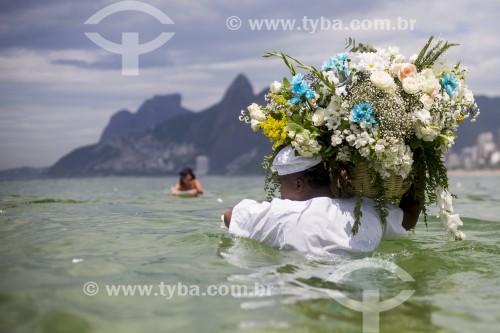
476,197
50,200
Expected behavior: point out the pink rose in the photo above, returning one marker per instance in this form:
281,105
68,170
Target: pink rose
406,70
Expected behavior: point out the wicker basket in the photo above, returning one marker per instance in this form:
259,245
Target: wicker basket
361,182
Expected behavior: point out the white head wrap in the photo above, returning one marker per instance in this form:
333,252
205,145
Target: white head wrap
286,162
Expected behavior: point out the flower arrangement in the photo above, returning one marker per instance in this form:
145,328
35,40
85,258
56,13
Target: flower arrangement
373,107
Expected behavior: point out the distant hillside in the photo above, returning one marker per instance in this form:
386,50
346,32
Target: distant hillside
22,173
152,112
488,121
216,132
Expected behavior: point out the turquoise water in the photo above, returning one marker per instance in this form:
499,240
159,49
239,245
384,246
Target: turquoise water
56,236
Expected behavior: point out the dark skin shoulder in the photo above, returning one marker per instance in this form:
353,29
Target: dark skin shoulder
227,216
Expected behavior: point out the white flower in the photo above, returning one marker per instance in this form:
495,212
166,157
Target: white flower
427,72
468,96
393,50
372,61
337,138
318,117
392,156
275,87
330,76
344,154
363,139
410,85
255,125
424,116
450,221
364,151
383,80
398,59
351,139
256,116
413,57
425,132
339,91
305,144
427,101
428,126
448,141
465,93
451,224
428,82
334,113
444,200
256,112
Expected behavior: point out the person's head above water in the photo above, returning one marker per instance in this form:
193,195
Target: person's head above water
301,178
186,175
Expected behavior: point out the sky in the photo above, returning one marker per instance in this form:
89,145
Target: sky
58,88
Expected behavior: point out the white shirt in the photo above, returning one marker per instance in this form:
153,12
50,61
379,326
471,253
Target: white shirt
317,226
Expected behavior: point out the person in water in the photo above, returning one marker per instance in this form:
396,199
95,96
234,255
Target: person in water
187,184
308,219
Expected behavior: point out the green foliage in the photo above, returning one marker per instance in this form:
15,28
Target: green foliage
427,57
351,43
381,200
286,58
271,180
429,172
357,214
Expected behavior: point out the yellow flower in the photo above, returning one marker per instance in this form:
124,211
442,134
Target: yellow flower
274,129
460,119
279,99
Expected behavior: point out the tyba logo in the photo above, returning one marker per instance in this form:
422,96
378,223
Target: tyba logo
370,305
130,49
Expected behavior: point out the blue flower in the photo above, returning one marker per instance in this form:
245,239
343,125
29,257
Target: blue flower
300,88
309,94
338,62
328,64
449,83
342,56
294,100
363,112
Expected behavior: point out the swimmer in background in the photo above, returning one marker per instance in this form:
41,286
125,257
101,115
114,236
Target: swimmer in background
187,184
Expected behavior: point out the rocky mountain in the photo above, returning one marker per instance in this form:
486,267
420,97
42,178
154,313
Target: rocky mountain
230,145
488,121
151,112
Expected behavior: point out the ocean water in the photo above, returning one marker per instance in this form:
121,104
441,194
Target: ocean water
65,244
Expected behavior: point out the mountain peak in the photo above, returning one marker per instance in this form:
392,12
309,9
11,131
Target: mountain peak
160,103
240,85
153,111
